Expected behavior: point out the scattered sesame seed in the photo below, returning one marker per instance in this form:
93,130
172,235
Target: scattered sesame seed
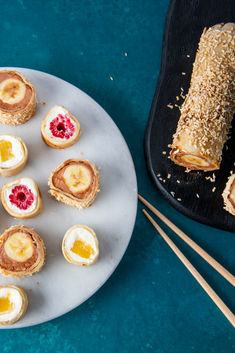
168,176
170,106
158,175
177,98
214,188
178,199
183,73
125,54
163,152
111,78
178,181
188,56
197,196
172,193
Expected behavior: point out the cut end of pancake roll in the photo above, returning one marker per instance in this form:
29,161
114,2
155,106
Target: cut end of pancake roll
13,155
13,304
22,252
60,129
21,198
229,195
17,98
80,245
75,183
208,109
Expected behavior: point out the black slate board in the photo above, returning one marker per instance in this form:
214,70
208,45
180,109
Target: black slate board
184,24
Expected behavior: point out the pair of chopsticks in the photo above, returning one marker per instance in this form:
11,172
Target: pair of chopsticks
218,267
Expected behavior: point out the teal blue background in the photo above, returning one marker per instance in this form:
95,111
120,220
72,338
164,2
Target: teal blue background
151,303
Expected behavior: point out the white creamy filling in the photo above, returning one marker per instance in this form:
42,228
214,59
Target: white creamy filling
52,115
17,151
15,299
22,181
85,236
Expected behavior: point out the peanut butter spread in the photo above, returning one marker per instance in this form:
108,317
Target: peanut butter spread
59,183
10,264
6,75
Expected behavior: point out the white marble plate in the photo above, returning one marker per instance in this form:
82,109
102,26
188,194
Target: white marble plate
61,286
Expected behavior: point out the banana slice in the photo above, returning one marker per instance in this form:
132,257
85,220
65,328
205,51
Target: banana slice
194,160
80,245
22,252
13,304
60,129
229,195
13,155
77,178
12,91
17,98
19,247
21,198
75,182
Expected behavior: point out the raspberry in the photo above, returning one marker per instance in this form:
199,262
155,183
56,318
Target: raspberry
21,196
62,126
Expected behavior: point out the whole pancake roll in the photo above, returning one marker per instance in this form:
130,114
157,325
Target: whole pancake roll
208,109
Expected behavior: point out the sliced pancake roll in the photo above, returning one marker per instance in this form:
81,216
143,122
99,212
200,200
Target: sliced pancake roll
13,155
21,198
208,109
75,183
22,252
13,304
60,129
229,195
17,98
80,245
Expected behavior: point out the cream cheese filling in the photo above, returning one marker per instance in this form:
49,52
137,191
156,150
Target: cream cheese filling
52,115
22,181
85,236
16,302
17,152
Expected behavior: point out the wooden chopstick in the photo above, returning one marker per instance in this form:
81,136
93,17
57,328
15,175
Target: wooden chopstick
212,294
215,264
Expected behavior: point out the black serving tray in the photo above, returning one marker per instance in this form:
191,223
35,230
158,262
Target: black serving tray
184,24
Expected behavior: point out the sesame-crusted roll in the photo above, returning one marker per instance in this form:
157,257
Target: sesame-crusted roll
229,195
208,109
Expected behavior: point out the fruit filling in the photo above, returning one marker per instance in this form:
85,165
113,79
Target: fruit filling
82,249
22,197
6,150
5,304
19,247
62,127
10,89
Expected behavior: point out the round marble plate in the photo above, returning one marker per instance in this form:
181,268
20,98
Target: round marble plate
61,286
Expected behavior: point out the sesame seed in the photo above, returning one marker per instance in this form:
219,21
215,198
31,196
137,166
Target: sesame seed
111,78
197,196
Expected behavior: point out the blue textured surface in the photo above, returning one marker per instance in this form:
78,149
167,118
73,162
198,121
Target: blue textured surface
151,303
